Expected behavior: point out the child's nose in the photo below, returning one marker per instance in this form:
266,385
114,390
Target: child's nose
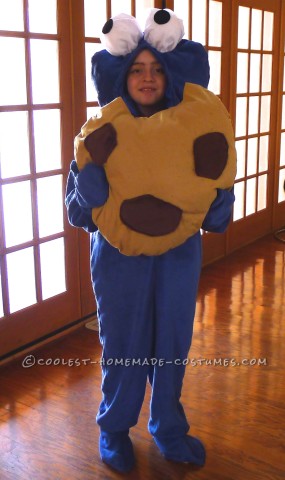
149,75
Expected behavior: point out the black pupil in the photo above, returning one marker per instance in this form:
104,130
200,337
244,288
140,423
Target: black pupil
108,26
161,17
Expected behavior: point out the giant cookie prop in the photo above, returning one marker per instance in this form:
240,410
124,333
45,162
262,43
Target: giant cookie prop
162,185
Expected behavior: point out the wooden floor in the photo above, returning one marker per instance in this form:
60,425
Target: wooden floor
47,413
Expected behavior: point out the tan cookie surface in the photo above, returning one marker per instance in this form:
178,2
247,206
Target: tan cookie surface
163,170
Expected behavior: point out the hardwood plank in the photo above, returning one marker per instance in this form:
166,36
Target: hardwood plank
47,412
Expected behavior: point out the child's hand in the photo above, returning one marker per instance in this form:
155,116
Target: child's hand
92,187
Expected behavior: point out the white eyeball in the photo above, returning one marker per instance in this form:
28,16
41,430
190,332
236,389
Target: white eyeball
121,34
163,29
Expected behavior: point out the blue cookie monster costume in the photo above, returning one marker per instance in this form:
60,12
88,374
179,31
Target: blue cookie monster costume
146,304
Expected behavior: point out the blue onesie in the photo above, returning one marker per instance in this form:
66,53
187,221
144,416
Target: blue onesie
146,304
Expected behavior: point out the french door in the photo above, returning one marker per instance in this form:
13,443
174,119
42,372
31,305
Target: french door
258,109
39,288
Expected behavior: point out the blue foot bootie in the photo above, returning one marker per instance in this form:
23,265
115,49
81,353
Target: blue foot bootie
185,449
116,450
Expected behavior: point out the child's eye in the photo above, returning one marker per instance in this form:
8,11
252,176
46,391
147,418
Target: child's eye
159,71
140,71
136,71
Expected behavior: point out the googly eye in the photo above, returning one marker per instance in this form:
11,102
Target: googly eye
163,29
121,34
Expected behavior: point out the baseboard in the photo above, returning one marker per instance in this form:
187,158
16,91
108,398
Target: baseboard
55,335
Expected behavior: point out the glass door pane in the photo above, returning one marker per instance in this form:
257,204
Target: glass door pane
17,207
11,18
43,16
120,6
52,255
45,77
50,206
13,89
95,15
141,8
21,279
215,23
199,15
47,147
14,161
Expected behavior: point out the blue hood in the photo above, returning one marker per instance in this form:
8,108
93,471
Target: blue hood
188,62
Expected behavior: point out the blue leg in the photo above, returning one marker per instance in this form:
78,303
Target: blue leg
177,278
124,292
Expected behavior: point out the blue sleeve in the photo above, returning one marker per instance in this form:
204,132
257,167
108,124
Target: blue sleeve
85,190
220,212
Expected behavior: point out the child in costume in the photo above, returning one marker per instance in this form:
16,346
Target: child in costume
145,275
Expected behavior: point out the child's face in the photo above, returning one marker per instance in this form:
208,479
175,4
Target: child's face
146,83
